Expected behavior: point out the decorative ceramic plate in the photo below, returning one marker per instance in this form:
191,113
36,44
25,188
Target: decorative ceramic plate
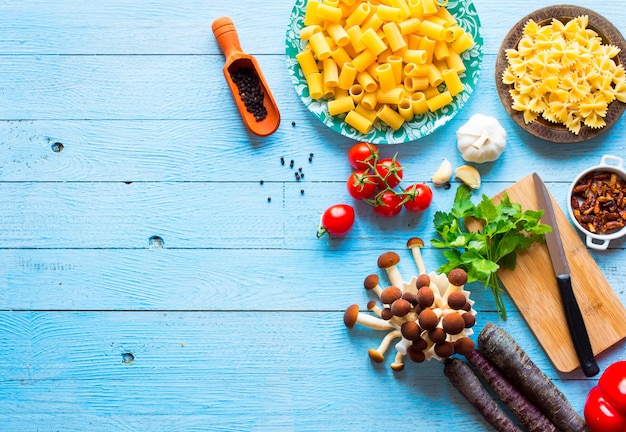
540,127
422,125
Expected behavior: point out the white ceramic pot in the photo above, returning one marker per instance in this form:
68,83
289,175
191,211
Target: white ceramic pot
611,164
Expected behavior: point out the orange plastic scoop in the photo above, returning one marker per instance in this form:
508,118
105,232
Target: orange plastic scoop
246,81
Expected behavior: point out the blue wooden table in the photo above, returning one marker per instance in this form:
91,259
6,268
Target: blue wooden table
148,282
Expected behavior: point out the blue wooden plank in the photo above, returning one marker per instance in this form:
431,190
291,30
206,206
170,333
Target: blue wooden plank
229,369
236,322
232,215
216,279
195,151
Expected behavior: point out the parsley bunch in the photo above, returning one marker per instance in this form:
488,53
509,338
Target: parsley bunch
503,230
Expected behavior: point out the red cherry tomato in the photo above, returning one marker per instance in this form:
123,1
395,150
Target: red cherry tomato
418,197
336,220
360,154
361,185
388,173
605,407
388,204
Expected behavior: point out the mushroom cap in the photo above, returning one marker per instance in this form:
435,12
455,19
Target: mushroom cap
397,367
453,323
469,319
376,356
422,280
437,335
390,294
420,344
400,307
444,349
415,354
350,315
371,281
410,297
371,304
414,241
457,277
456,300
428,319
425,297
463,346
388,259
410,330
386,314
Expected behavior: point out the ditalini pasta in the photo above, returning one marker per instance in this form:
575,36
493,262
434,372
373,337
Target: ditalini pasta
387,61
563,73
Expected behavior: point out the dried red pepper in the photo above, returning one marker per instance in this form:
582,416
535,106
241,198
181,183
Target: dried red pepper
605,408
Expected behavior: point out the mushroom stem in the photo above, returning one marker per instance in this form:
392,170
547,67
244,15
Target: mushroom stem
398,363
378,354
457,279
373,306
416,244
353,316
371,284
389,262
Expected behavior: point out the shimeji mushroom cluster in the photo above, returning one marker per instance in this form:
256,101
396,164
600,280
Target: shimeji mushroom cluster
431,314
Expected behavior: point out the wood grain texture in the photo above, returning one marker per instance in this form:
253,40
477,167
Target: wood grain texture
203,367
234,321
533,288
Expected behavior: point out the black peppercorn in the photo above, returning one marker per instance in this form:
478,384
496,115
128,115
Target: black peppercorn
250,91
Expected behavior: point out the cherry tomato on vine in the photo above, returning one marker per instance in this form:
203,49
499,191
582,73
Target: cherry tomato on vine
388,204
388,173
418,197
361,185
336,220
360,154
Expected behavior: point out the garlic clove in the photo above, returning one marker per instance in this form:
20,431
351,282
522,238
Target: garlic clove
468,175
443,173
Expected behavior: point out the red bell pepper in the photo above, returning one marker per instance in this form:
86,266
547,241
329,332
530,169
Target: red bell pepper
605,408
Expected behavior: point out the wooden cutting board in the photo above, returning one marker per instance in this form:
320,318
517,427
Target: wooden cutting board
532,286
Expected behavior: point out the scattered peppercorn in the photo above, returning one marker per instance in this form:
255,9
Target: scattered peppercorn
301,191
260,181
250,91
297,176
269,199
291,164
282,161
300,169
447,185
302,175
293,123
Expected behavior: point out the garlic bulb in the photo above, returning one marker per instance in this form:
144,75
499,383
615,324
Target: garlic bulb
481,139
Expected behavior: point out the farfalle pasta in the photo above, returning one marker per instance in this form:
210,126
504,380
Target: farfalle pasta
394,59
563,73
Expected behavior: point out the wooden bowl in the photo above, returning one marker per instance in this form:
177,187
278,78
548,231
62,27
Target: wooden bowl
540,127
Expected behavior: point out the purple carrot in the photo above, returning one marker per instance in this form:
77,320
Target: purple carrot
467,383
504,352
526,412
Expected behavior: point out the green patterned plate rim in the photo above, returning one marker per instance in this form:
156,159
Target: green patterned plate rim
422,125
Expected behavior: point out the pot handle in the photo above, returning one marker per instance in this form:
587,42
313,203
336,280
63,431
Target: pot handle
609,160
600,245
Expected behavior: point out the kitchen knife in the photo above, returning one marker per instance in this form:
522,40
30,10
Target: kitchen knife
573,316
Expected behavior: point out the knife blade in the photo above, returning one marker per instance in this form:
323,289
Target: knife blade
573,316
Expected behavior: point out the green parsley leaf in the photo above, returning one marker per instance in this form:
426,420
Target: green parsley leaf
505,230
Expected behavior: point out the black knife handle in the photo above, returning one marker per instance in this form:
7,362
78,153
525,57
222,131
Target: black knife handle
576,326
